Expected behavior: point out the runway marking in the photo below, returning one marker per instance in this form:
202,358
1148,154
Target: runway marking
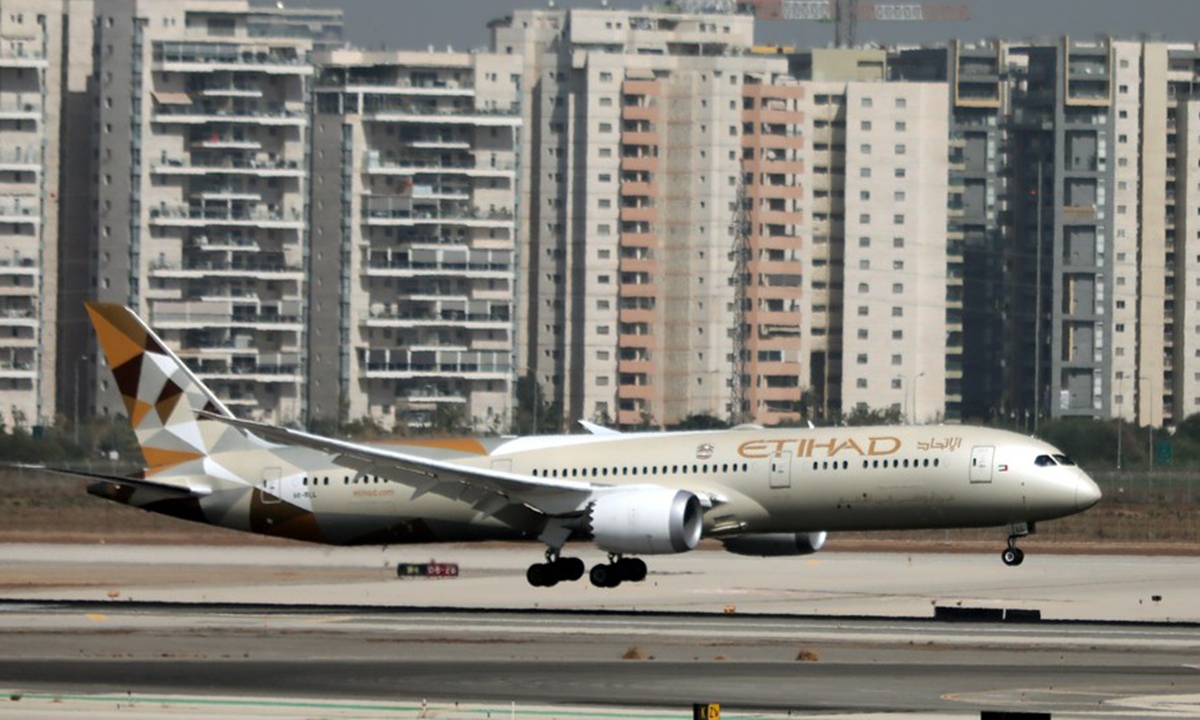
96,617
417,709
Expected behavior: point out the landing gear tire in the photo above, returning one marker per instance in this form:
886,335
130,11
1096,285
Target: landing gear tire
569,569
632,569
605,575
1012,556
541,575
552,572
618,570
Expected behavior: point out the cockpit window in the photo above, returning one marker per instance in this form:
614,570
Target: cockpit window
1064,460
1044,461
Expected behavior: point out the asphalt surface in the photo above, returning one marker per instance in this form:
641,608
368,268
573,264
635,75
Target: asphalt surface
297,632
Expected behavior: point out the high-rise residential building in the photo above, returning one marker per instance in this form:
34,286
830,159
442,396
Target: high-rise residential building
1070,158
43,59
645,133
882,333
203,186
414,239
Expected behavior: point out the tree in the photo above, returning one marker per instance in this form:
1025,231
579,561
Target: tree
700,421
863,415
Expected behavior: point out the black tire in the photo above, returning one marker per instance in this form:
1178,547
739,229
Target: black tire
1012,556
632,569
541,575
569,569
604,576
1020,556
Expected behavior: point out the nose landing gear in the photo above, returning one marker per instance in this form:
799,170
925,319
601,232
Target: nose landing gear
1013,555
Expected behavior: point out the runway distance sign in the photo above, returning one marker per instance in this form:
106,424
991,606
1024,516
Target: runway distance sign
427,570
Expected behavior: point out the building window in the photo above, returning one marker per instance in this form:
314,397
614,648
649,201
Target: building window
861,359
866,102
897,311
861,383
901,149
865,148
897,288
898,219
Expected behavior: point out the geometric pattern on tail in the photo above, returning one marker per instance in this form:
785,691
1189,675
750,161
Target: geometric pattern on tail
161,395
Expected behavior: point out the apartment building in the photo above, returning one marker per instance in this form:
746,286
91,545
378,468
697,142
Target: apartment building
881,298
414,239
1077,297
645,132
43,60
203,185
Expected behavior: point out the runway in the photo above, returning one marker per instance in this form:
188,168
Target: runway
320,642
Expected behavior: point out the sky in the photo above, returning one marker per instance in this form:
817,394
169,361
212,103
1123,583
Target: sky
462,24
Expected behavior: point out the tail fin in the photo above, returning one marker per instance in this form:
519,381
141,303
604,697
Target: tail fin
162,396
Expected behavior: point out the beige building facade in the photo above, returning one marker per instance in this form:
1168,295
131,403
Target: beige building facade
203,184
414,239
879,168
645,132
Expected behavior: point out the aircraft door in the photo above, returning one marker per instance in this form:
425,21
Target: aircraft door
781,470
271,486
981,463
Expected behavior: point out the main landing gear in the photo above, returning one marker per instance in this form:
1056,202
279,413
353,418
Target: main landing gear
556,569
1013,555
616,571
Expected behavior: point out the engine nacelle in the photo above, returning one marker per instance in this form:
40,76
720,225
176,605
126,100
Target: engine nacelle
646,521
776,544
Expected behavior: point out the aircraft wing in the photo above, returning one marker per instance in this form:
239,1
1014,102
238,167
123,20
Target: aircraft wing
493,492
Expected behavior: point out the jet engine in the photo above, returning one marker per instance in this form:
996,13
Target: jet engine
776,544
646,521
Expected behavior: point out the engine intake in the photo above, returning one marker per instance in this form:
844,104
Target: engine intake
646,521
776,544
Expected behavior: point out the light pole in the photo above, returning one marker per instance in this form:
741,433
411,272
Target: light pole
1149,422
913,389
1120,412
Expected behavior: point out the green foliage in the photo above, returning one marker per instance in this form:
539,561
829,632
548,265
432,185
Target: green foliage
700,421
63,444
862,415
535,416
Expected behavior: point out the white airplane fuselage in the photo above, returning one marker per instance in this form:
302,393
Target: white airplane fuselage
754,481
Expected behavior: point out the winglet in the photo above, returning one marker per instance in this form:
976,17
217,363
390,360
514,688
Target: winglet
595,429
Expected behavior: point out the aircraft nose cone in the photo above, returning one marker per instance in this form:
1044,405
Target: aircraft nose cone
1087,493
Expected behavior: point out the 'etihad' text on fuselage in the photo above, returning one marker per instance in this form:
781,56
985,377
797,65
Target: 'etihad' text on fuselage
807,447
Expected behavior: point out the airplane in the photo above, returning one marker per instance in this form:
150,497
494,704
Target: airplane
759,491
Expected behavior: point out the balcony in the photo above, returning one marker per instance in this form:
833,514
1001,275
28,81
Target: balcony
408,211
20,210
20,159
186,216
269,167
180,114
404,318
373,165
201,57
20,110
13,57
388,263
424,114
193,269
